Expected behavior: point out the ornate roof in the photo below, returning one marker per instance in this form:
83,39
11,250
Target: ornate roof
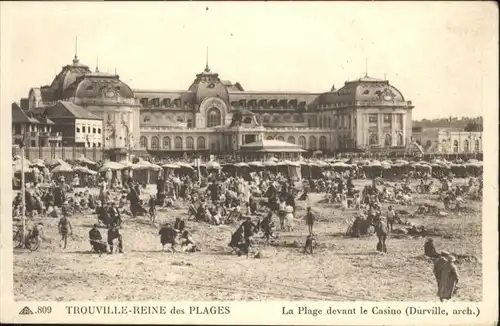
208,84
78,81
102,85
366,89
64,83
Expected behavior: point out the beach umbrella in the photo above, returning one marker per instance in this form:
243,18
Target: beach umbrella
386,165
84,169
171,166
126,163
111,166
269,163
147,165
321,164
340,164
83,159
184,165
256,164
17,160
401,162
55,161
38,162
241,164
16,168
291,163
62,168
212,165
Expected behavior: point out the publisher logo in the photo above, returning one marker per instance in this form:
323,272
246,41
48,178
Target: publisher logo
26,311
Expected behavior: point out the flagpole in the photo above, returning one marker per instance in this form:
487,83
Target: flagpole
23,197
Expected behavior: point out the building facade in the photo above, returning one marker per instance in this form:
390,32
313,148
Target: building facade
448,141
220,116
34,130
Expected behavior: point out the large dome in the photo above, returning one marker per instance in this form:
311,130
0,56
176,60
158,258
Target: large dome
207,84
64,83
78,81
365,89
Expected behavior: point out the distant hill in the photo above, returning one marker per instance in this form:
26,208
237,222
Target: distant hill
464,123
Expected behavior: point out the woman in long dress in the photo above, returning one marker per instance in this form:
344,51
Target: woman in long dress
446,274
289,217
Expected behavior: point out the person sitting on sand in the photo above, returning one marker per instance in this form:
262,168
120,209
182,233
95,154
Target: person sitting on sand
430,250
96,242
179,224
168,236
187,243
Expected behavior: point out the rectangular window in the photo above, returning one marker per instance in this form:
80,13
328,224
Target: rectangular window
387,118
190,123
93,130
33,143
83,129
373,118
98,130
77,129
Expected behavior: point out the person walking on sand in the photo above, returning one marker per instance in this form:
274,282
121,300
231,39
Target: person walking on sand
448,278
63,227
310,220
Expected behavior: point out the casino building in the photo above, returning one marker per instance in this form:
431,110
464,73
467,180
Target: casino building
219,116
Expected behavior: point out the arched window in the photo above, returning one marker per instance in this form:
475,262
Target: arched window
320,122
270,137
312,142
213,118
322,142
455,146
466,145
373,139
280,138
189,143
400,140
200,143
178,143
291,139
388,140
302,141
143,142
155,142
166,142
476,145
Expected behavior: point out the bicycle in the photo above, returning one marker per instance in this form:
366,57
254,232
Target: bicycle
29,242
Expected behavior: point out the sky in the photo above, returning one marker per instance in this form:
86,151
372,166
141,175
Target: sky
441,56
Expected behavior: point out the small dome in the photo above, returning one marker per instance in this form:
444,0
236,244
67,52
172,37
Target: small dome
366,89
207,84
102,86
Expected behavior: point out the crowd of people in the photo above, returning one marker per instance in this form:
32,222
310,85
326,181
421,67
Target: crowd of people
260,205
